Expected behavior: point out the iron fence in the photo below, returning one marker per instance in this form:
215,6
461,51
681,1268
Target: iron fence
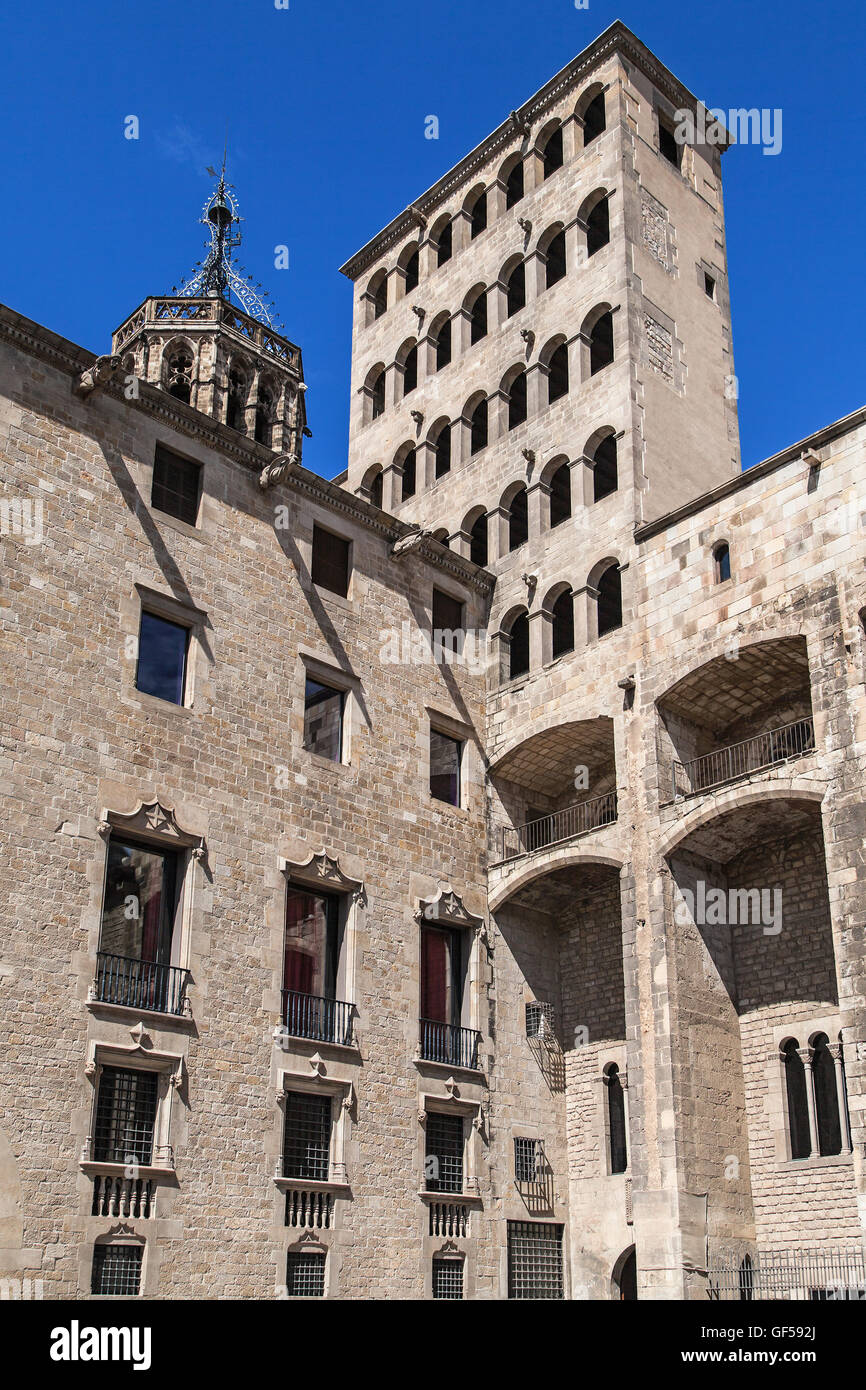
739,759
778,1275
443,1042
322,1020
566,824
140,984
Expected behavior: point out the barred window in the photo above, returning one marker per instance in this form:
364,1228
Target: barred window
448,1279
125,1116
307,1136
176,485
443,1167
305,1274
526,1160
117,1270
535,1260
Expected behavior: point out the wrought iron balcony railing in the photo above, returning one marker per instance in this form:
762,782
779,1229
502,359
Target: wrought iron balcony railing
443,1042
567,824
740,759
322,1020
140,984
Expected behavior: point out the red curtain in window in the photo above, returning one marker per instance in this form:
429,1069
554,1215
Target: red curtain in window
435,971
299,970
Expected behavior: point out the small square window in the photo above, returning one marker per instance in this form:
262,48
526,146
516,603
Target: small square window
709,286
330,568
323,720
669,146
176,485
446,755
162,658
305,1274
447,623
117,1270
448,1279
526,1160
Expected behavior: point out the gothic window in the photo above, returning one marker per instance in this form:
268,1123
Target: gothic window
236,399
609,602
560,495
516,289
264,426
180,373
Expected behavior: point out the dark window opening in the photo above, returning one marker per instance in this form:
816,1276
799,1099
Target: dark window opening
517,401
478,548
376,489
380,298
514,185
443,1158
125,1116
616,1121
518,647
798,1110
236,400
307,1136
601,343
560,495
478,319
410,272
330,568
139,907
598,227
323,720
479,215
527,1160
553,153
516,292
478,428
180,375
609,600
305,1274
557,374
443,452
448,1279
535,1260
311,951
117,1270
410,371
377,396
722,557
669,146
441,994
827,1121
563,624
518,520
555,267
709,286
447,623
176,485
445,244
445,757
594,121
604,473
162,658
443,346
410,475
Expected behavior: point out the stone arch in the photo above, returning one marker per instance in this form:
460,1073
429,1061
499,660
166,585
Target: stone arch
561,857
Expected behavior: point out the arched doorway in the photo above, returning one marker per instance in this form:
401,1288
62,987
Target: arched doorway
625,1276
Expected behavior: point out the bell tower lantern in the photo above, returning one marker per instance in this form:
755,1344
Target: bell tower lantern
214,344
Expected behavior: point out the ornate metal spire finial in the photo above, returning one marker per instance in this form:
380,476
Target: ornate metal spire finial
218,275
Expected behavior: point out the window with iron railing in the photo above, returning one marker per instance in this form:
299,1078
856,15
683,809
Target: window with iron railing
535,1260
307,1136
137,933
117,1270
448,1278
125,1116
314,944
305,1274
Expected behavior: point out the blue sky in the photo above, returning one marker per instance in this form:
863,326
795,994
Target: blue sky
325,105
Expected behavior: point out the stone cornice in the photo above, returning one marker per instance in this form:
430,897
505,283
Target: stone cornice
615,39
48,347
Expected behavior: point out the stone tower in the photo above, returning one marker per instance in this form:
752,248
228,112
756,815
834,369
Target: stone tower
222,358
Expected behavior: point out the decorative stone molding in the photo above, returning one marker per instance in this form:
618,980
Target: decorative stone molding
324,869
447,906
278,469
151,818
103,370
410,542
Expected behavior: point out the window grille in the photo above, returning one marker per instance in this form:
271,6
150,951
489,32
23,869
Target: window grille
176,483
117,1270
305,1274
527,1160
125,1116
827,1275
535,1260
307,1136
448,1279
539,1019
444,1156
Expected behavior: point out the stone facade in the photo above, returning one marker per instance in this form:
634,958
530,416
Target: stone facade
707,734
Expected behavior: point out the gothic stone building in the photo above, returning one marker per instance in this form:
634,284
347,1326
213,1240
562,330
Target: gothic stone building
523,962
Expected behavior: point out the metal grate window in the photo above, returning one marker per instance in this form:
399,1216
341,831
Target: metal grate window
125,1116
527,1160
176,483
117,1269
539,1019
448,1279
535,1260
443,1167
307,1136
305,1274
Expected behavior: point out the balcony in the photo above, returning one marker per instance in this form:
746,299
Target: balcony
724,765
449,1045
318,1019
140,984
567,824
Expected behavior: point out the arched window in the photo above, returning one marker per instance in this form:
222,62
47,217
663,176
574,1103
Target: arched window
593,120
598,226
557,374
798,1109
747,1286
514,185
375,488
555,267
518,646
377,395
722,562
518,520
609,601
445,244
478,318
826,1098
553,153
516,289
442,537
560,495
410,370
409,475
264,426
478,216
443,451
410,272
616,1120
517,401
377,291
179,367
478,428
601,343
443,346
236,399
604,473
478,549
562,624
